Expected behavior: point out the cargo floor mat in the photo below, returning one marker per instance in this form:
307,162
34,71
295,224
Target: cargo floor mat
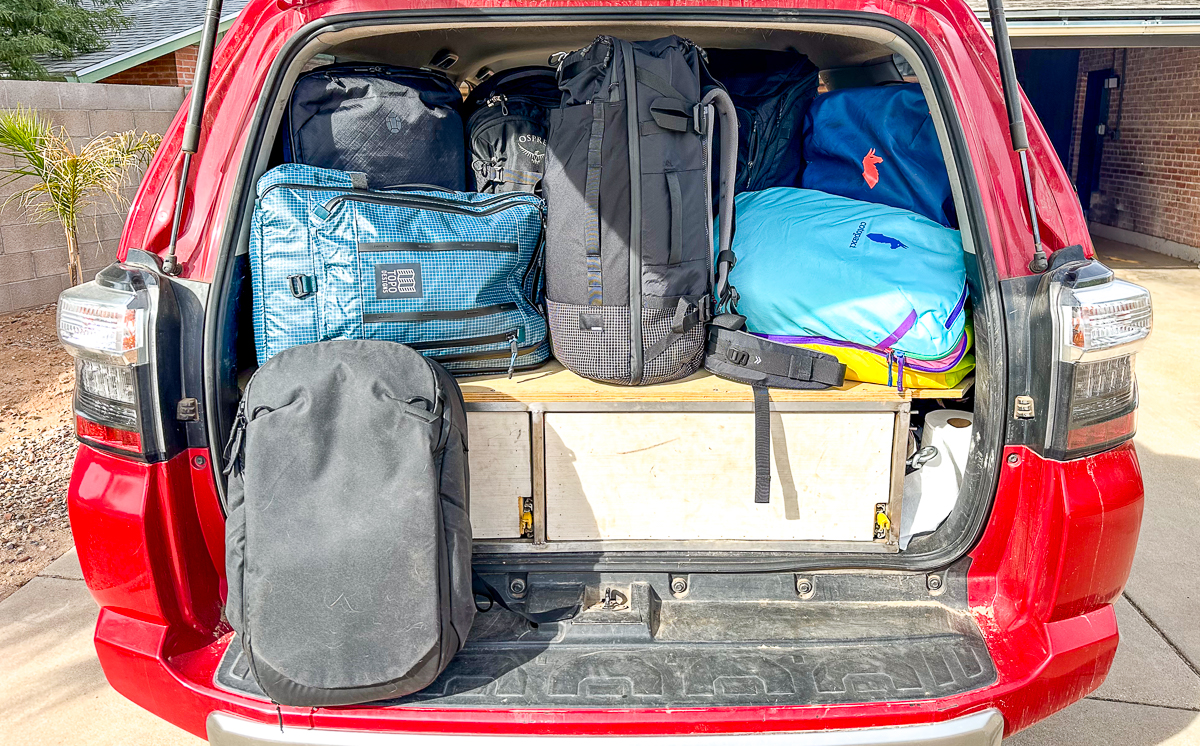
647,652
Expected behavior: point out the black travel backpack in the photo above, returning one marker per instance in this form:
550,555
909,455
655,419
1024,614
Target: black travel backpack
398,125
348,537
629,261
771,91
507,121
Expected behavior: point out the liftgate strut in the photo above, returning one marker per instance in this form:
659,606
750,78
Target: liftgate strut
1016,122
191,130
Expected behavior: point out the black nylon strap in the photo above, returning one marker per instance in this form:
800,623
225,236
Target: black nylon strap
591,193
687,315
672,114
656,81
481,587
524,178
762,445
675,193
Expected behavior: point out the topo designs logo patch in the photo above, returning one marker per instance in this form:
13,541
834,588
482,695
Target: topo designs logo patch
398,281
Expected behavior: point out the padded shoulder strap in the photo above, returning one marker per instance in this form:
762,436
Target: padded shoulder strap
726,295
744,357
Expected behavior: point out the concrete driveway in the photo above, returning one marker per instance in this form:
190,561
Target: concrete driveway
53,692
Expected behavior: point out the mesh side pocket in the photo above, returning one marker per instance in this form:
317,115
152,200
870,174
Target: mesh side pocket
681,359
601,354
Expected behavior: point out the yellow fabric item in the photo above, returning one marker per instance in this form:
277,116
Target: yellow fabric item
870,367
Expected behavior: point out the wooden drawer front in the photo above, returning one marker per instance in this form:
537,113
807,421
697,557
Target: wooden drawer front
498,456
641,476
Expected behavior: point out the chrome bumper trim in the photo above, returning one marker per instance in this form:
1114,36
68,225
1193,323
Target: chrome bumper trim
979,729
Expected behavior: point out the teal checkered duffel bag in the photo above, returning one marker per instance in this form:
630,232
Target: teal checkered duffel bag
455,275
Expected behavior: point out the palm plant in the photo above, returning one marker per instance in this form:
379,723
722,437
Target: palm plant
56,182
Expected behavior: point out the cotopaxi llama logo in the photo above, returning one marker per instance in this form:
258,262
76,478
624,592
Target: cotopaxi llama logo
870,174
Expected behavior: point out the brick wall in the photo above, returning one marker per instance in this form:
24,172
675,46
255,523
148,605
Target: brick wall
1150,175
33,258
176,68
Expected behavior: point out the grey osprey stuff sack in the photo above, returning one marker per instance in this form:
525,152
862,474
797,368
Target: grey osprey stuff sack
629,246
348,538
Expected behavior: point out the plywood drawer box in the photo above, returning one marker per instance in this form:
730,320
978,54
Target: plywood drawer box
628,476
499,456
670,467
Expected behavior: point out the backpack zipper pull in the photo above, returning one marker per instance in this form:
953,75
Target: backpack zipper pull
753,142
233,447
512,347
499,100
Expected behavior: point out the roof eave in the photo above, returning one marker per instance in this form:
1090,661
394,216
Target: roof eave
1096,27
135,57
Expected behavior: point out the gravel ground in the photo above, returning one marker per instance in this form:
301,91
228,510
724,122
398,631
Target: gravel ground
37,446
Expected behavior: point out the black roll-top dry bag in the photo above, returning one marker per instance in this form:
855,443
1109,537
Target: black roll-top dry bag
629,248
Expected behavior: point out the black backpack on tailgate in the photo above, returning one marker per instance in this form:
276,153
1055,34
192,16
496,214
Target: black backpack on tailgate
348,539
507,118
398,125
629,261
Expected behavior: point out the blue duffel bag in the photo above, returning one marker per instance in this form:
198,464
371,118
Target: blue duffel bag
455,275
878,145
815,267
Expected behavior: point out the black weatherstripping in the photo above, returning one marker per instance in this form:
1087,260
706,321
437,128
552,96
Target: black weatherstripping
965,525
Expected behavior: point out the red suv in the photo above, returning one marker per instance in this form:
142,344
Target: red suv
993,621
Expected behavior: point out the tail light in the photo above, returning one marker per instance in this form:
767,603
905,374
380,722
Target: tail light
122,330
1100,323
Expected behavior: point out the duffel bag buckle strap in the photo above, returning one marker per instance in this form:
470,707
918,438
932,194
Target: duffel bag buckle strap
302,286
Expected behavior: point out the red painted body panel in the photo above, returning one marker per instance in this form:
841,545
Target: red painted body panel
1038,587
1055,554
244,57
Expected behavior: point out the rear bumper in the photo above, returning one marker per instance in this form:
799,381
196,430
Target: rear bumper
1056,553
1041,668
980,729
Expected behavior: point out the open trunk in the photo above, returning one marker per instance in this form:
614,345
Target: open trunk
639,500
